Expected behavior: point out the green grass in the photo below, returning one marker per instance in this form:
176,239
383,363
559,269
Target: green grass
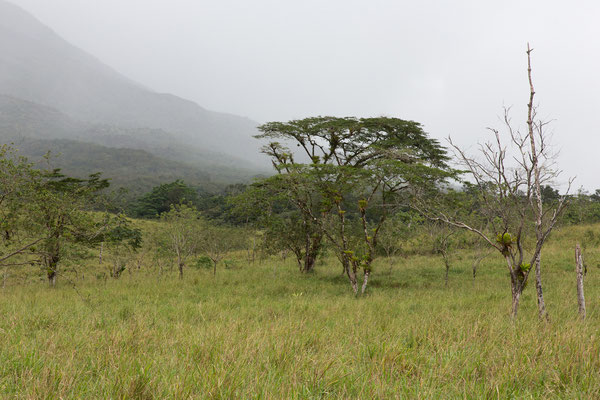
265,331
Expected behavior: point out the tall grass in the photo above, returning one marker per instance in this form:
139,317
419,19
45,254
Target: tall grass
265,331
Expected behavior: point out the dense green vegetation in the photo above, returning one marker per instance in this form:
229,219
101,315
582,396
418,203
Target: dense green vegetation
161,198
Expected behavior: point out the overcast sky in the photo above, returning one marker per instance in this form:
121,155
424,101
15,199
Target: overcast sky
451,65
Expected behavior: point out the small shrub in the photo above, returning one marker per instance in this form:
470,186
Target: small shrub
204,262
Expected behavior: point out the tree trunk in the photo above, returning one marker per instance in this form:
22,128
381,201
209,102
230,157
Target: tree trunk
354,285
100,256
312,250
309,263
447,264
580,272
542,313
181,265
300,265
307,260
352,276
214,268
52,258
52,266
516,296
537,182
299,258
365,281
516,286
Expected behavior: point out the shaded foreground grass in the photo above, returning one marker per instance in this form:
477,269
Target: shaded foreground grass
265,331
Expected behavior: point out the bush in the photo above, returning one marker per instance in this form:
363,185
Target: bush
204,262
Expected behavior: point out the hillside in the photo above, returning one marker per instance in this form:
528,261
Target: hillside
136,170
37,65
31,126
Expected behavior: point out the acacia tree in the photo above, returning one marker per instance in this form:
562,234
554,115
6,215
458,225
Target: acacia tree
355,172
509,181
267,205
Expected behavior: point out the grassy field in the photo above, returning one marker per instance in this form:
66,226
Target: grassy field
265,331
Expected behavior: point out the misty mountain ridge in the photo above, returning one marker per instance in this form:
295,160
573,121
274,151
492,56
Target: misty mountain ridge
24,119
50,89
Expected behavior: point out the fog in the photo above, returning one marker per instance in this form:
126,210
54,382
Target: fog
451,65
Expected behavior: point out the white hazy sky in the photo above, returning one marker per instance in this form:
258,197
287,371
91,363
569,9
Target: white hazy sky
451,65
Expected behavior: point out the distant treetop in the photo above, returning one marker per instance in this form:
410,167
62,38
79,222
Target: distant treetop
162,197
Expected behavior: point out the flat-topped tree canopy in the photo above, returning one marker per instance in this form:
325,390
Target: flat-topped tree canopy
352,141
357,172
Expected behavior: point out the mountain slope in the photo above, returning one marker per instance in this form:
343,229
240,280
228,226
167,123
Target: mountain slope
21,118
39,66
121,154
136,170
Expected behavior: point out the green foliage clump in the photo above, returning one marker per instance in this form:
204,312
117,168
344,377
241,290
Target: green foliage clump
525,267
161,198
505,239
203,262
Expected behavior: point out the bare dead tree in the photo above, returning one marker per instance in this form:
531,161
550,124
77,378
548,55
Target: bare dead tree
536,128
509,178
580,273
